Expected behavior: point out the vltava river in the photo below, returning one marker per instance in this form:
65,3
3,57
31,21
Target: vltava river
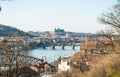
50,55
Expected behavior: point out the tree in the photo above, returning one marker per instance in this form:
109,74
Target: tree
108,41
112,17
14,55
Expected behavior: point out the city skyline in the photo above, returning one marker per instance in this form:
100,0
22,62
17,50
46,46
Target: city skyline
39,15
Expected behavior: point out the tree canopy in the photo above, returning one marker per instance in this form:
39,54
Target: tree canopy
112,17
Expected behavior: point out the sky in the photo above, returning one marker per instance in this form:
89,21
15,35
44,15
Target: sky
46,15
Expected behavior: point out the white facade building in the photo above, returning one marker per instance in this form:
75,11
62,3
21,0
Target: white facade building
63,66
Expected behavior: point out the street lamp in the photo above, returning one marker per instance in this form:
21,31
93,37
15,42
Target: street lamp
0,8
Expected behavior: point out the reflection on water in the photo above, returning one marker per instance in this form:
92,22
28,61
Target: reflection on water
50,55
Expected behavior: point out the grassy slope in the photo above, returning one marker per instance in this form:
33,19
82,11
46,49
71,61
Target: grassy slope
107,65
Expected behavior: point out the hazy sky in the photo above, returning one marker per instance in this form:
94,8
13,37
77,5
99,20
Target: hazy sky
45,15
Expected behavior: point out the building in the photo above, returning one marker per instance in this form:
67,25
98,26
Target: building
63,66
81,35
59,31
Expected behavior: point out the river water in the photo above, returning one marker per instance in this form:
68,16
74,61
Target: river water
50,54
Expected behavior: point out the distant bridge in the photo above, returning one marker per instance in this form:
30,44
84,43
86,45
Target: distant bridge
63,44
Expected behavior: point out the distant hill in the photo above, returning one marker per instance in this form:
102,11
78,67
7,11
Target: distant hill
8,30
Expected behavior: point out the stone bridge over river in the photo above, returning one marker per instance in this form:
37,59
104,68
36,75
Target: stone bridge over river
62,44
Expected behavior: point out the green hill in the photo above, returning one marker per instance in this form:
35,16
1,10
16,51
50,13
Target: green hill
8,30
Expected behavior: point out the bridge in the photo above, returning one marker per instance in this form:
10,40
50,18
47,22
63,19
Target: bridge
63,44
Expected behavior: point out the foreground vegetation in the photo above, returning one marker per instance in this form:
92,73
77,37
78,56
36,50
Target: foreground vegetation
107,65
